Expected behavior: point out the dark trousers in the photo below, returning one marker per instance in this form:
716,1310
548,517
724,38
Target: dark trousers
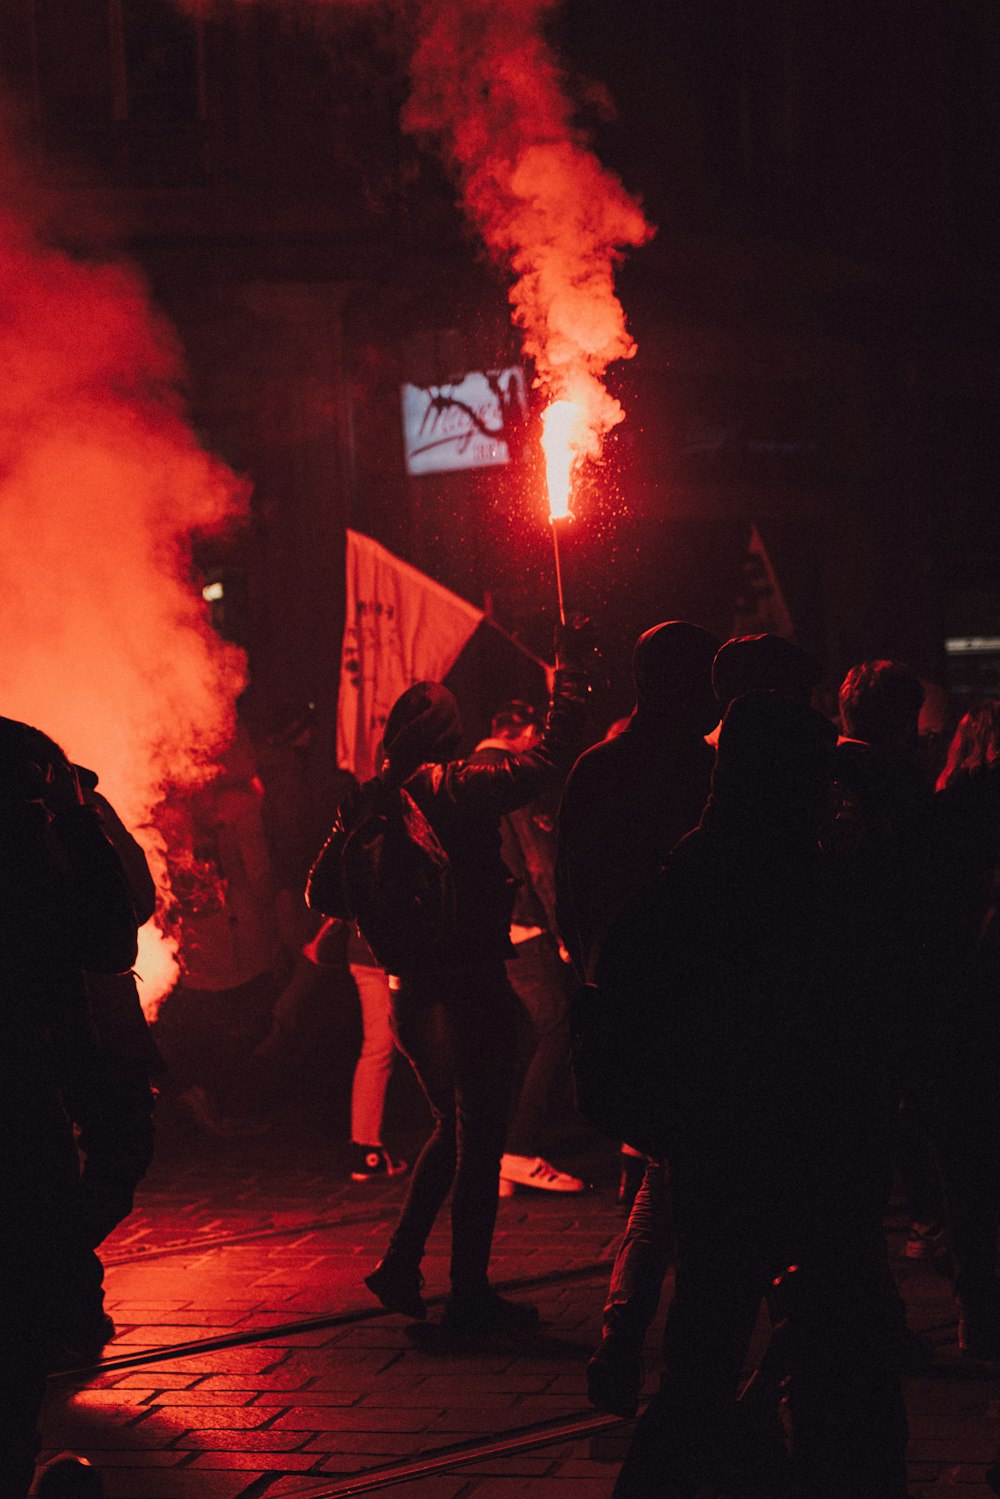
969,1150
50,1290
208,1036
749,1199
642,1259
542,983
458,1029
111,1103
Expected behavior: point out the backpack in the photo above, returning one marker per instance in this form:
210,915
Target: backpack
398,882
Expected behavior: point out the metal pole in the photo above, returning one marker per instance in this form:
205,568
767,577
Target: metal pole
559,587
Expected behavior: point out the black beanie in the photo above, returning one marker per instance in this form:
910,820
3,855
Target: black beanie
763,663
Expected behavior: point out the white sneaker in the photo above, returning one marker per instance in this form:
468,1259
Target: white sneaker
532,1171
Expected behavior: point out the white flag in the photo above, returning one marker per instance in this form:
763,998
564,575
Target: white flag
400,627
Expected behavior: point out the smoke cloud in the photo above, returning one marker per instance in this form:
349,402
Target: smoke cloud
488,91
486,85
106,644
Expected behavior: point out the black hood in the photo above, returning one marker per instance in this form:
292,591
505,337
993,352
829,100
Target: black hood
672,669
424,724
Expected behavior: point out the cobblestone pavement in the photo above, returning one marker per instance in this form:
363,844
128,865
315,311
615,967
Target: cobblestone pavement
232,1240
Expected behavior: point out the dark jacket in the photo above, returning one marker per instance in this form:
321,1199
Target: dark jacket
747,1006
882,837
626,804
967,853
64,901
463,801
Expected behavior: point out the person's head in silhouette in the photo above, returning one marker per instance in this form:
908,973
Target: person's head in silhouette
773,770
763,663
880,704
672,671
424,725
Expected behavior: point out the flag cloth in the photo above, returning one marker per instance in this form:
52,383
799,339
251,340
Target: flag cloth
400,627
760,607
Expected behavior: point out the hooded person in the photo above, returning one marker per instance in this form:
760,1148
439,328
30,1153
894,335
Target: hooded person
629,799
759,1072
454,1016
626,804
65,910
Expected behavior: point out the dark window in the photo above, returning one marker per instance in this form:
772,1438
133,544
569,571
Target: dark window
74,67
162,64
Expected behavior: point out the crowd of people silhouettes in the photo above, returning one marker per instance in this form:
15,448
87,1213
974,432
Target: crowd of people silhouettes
773,946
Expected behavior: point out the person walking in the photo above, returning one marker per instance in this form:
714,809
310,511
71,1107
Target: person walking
453,1013
540,974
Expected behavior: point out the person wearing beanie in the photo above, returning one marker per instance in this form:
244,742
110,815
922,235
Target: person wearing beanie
455,1016
629,799
763,663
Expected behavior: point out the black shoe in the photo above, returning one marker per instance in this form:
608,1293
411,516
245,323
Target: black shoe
68,1477
614,1376
472,1318
398,1286
80,1346
369,1162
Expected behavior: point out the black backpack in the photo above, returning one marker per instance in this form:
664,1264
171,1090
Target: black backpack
398,882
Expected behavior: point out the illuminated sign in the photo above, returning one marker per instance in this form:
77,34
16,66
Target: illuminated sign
462,424
973,645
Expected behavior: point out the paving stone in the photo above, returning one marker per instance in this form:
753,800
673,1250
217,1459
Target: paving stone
324,1418
301,1398
402,1399
107,1457
154,1378
389,1443
120,1483
289,1462
241,1441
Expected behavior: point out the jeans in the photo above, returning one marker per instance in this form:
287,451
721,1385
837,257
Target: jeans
374,1065
541,981
50,1293
457,1028
111,1102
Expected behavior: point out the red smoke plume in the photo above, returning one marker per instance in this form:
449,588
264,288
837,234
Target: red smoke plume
486,85
106,645
487,88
